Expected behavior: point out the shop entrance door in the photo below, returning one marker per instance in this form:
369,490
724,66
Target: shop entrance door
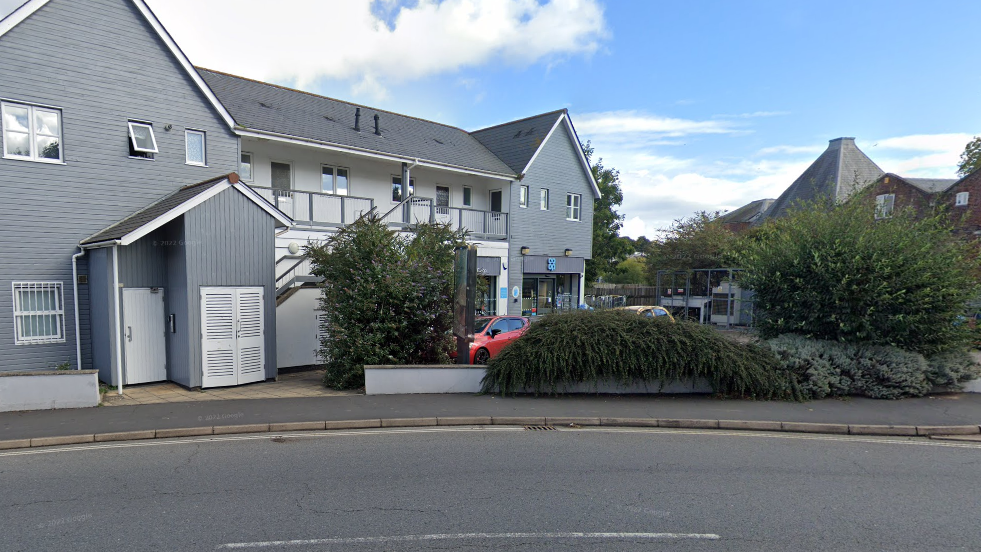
546,295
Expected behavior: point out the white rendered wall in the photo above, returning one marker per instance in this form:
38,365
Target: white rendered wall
297,329
368,177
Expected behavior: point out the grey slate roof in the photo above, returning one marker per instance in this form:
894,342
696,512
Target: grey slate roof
749,212
517,141
931,185
839,172
153,211
271,108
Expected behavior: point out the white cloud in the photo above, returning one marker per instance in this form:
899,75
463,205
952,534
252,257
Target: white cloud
923,142
634,122
754,115
793,150
304,40
923,155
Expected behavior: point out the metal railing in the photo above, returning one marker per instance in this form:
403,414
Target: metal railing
317,209
293,270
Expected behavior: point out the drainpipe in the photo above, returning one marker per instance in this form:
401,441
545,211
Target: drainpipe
78,336
119,322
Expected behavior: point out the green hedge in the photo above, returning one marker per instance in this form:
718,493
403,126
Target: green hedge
590,347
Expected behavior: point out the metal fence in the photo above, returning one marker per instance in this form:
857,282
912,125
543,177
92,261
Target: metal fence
707,296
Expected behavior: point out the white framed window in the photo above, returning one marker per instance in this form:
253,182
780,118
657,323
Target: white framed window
141,138
544,200
397,192
523,197
195,145
467,196
31,132
334,180
961,199
245,166
884,205
573,206
39,313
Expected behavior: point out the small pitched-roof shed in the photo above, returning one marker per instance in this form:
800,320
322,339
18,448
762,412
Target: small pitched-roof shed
184,289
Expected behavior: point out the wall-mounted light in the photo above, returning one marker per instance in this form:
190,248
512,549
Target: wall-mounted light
293,248
568,252
168,127
525,250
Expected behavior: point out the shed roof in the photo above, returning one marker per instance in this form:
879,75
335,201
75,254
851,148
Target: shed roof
171,206
276,109
749,212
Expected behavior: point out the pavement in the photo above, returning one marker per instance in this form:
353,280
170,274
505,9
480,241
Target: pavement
286,386
956,413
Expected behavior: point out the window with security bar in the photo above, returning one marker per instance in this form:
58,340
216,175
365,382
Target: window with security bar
39,313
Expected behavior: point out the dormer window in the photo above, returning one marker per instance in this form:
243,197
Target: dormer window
141,140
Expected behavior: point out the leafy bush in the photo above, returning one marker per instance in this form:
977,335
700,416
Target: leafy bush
839,274
386,299
591,347
833,369
952,368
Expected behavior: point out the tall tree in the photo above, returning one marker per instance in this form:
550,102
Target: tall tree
970,157
608,247
699,241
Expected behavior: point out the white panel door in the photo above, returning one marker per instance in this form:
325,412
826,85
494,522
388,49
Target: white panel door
232,335
144,348
218,341
251,337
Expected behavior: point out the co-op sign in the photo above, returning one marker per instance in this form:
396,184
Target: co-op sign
543,263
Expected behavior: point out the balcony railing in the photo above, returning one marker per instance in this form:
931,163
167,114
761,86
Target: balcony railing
317,209
480,224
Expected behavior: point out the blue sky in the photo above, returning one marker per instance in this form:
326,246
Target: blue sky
700,105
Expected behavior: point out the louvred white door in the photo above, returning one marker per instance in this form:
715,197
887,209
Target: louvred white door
251,349
232,336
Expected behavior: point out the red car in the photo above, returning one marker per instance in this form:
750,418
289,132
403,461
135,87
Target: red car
493,333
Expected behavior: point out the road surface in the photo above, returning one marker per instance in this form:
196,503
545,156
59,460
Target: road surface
495,489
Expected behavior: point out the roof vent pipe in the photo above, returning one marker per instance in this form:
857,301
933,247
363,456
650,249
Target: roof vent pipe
377,128
357,119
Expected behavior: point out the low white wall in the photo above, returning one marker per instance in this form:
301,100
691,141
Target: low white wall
973,386
48,389
393,380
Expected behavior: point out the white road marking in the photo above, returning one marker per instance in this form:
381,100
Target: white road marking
471,536
917,441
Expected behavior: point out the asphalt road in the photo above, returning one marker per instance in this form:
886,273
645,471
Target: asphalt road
495,489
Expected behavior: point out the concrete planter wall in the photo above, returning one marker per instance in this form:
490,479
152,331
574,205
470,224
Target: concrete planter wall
465,378
973,386
47,389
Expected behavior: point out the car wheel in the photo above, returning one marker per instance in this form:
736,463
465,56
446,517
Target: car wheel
481,356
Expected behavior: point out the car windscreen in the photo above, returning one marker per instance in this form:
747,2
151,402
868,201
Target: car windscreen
481,324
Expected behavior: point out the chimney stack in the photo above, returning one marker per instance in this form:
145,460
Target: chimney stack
357,119
377,128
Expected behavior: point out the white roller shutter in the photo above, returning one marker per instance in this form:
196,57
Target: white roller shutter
232,335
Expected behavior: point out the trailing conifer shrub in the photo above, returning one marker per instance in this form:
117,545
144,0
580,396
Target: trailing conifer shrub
622,347
953,368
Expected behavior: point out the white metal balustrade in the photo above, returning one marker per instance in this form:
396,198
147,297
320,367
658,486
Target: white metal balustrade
327,210
317,209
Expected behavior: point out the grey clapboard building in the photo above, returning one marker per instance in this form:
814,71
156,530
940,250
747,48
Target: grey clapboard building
113,141
121,161
551,232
